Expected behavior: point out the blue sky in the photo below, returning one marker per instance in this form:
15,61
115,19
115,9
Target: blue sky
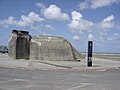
75,20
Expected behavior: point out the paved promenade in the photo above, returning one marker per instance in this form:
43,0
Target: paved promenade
98,64
58,75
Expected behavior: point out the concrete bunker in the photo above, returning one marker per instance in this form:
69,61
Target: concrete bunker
23,46
19,45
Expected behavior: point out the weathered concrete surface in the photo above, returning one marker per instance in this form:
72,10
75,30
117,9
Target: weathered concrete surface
51,48
19,45
22,46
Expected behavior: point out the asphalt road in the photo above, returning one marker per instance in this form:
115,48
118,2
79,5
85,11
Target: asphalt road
21,79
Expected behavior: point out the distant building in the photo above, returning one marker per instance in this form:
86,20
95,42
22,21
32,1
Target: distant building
22,46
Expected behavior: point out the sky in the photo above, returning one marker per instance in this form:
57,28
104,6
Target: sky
76,20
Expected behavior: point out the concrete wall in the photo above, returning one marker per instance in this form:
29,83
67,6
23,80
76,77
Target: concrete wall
50,48
19,45
12,46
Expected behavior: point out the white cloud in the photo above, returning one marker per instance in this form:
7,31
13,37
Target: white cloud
5,23
102,36
76,38
107,23
54,13
101,28
10,20
102,3
78,23
49,27
84,5
90,37
116,36
41,28
41,6
109,18
23,22
32,17
76,16
37,27
96,3
25,19
104,27
31,21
